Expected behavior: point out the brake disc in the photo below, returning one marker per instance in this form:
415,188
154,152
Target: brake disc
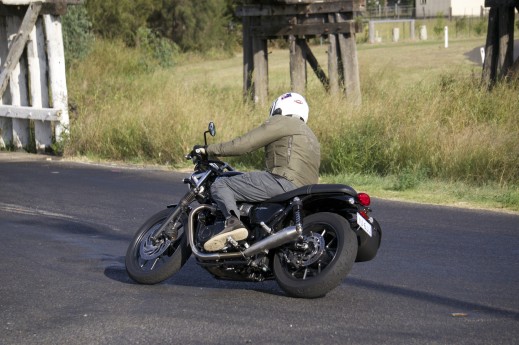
150,250
316,247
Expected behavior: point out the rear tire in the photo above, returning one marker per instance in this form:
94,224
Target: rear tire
153,270
322,270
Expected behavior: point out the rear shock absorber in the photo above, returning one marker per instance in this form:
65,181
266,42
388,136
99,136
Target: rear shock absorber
297,207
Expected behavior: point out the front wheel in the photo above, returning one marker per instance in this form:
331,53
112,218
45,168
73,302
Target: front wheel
151,259
313,267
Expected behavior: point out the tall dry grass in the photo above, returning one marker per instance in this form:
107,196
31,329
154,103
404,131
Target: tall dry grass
426,119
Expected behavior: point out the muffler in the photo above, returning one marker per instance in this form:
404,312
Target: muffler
277,239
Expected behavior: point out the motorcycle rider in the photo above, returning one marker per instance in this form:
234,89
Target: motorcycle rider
292,158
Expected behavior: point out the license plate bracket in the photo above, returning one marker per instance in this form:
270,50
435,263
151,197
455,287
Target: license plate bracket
364,225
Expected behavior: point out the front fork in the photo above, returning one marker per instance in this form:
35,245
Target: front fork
171,232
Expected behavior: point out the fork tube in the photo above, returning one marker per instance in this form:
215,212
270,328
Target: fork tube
181,207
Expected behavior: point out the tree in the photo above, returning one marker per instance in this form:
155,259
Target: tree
195,25
120,18
77,34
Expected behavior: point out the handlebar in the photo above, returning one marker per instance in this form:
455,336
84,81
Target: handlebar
198,158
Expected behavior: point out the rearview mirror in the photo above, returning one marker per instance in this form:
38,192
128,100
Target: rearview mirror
212,129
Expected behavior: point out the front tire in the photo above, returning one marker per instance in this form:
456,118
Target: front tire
329,255
149,263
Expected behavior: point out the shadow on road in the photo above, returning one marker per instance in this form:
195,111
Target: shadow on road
191,275
436,299
475,54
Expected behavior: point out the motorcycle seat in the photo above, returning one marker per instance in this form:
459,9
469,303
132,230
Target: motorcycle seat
314,189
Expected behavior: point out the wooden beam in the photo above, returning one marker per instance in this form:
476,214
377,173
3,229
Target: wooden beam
57,74
506,40
257,10
6,124
499,45
292,2
312,61
18,44
260,73
350,65
248,61
27,2
297,65
491,49
30,113
18,88
496,3
39,91
265,30
47,8
333,58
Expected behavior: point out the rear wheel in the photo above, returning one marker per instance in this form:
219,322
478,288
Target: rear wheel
151,260
319,263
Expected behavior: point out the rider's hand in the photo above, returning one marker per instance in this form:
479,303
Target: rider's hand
199,149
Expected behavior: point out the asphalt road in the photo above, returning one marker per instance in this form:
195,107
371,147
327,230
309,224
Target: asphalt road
443,275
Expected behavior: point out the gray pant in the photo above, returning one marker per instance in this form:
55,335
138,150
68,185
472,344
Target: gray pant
254,186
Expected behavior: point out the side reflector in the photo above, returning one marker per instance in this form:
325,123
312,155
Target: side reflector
364,199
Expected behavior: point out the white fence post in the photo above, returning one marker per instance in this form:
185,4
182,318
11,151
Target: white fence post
37,61
446,32
18,88
32,52
57,75
6,123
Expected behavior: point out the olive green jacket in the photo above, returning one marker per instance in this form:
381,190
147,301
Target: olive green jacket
291,148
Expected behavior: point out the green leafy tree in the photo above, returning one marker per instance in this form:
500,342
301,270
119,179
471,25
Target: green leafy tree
200,25
196,25
77,33
155,49
439,25
120,18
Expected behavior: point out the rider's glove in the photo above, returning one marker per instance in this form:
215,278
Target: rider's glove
199,149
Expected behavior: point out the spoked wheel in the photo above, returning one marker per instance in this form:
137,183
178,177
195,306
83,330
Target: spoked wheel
150,260
319,263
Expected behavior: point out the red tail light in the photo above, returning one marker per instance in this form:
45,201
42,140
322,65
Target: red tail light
364,199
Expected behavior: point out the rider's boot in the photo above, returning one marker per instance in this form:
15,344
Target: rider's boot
234,228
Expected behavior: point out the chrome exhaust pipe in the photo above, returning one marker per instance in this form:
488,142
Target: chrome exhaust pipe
277,239
190,238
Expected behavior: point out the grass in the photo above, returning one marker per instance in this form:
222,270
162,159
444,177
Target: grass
425,131
431,191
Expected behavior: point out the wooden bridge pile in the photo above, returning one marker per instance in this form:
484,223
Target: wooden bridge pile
499,50
297,21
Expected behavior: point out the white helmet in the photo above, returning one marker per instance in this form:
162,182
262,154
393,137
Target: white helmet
290,104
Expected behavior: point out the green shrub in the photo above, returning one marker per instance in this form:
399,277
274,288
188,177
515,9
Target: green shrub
156,50
480,27
460,24
439,25
416,125
77,35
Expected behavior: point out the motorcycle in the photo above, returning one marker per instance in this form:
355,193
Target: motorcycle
306,239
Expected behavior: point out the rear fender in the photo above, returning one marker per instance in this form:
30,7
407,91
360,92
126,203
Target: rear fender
368,245
340,204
